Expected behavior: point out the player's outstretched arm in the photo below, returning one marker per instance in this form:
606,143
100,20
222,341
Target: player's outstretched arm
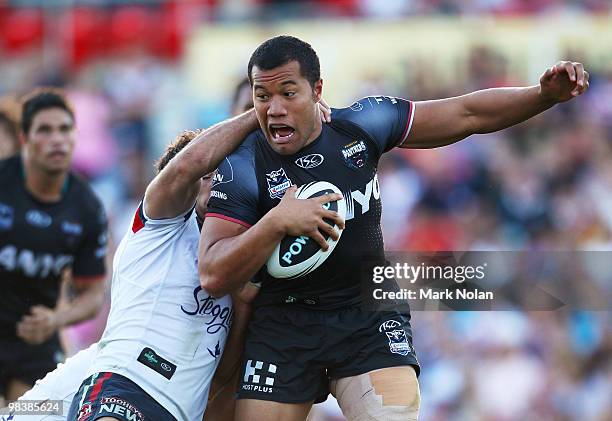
230,254
175,188
445,121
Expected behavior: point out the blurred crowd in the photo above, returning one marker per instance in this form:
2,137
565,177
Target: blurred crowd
543,185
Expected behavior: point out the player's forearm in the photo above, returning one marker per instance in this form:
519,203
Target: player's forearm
174,190
445,121
495,109
84,306
207,150
231,262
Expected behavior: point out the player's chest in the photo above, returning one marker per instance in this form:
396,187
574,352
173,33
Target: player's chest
26,225
349,164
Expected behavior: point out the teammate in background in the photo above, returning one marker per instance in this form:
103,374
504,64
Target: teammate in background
50,222
309,335
9,128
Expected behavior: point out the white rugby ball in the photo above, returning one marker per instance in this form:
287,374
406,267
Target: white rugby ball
298,256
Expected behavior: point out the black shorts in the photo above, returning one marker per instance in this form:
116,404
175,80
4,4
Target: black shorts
28,363
113,395
292,353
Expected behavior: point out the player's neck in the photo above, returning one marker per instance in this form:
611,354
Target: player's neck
44,186
315,133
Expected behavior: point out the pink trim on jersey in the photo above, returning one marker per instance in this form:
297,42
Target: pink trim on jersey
228,218
408,124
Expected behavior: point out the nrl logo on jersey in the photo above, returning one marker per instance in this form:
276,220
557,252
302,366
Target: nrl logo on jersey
355,154
278,182
310,161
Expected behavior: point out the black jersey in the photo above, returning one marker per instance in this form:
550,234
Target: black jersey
252,180
39,240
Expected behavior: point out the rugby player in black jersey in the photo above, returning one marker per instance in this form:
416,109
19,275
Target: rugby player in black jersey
310,335
51,223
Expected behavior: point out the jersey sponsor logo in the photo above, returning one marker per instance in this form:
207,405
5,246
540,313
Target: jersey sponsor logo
72,228
226,177
7,216
216,315
33,265
259,376
310,161
116,406
158,364
218,194
278,182
38,218
362,198
398,342
355,154
357,106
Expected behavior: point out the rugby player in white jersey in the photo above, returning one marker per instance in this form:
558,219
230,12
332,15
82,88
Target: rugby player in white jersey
145,267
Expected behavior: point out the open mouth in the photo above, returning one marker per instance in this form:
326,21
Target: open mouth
57,155
281,133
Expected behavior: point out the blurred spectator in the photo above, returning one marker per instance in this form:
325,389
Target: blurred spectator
9,138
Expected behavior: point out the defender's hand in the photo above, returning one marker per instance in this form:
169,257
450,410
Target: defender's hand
325,110
306,216
39,326
564,81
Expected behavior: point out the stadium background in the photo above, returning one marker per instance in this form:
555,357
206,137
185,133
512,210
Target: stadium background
138,72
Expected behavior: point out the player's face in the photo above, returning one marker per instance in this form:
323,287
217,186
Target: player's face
204,193
286,107
50,140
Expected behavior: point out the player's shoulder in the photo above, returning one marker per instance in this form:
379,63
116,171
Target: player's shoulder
248,147
81,194
243,158
11,178
237,171
365,106
9,167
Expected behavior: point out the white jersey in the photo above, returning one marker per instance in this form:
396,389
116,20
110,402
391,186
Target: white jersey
164,332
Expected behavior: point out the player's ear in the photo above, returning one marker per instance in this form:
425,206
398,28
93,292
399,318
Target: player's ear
22,138
318,90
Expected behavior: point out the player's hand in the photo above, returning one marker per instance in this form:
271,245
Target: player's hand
306,216
564,81
38,326
325,110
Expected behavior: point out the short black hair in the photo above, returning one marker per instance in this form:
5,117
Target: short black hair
42,99
281,50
